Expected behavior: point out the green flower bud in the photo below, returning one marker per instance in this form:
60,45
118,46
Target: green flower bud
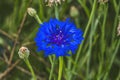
74,11
24,53
31,12
1,41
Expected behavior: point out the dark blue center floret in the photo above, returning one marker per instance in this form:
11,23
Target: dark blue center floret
57,37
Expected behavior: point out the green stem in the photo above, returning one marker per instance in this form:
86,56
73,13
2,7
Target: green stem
31,69
84,7
115,22
56,12
93,26
115,5
41,13
69,65
91,17
112,60
85,33
105,9
38,19
52,68
86,30
69,69
60,68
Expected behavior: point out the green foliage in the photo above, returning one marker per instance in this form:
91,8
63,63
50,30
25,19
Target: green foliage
97,58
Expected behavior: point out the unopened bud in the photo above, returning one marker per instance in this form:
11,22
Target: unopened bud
31,11
74,11
24,53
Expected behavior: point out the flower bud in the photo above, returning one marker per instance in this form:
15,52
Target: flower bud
24,53
53,2
31,12
1,41
74,11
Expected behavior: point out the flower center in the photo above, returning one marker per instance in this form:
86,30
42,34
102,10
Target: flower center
57,38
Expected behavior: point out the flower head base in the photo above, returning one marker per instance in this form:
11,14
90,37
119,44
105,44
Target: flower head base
52,2
58,37
24,53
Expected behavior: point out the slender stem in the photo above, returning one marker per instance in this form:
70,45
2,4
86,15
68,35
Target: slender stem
91,17
86,30
50,58
38,19
69,69
115,5
105,9
90,49
112,60
30,67
60,68
56,12
115,22
118,77
52,68
85,33
85,7
41,12
69,65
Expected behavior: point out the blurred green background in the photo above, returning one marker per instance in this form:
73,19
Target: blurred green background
99,57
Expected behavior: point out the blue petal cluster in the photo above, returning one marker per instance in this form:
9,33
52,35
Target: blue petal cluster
58,37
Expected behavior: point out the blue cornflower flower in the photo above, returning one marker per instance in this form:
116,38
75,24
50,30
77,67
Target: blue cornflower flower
58,37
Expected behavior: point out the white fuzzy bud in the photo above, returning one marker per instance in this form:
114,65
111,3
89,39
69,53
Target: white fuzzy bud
53,2
24,53
31,11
